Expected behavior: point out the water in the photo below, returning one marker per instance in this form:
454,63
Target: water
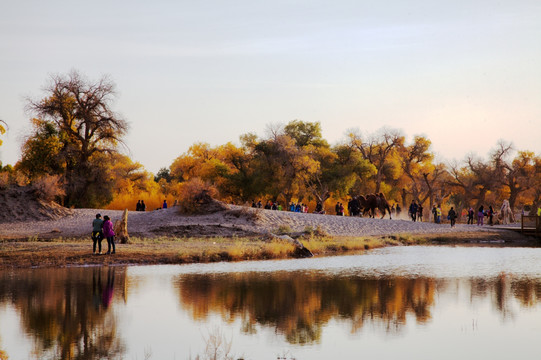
402,302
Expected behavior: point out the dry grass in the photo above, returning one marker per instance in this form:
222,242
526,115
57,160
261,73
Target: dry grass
33,252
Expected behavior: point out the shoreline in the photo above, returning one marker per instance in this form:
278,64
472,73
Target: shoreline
47,253
236,234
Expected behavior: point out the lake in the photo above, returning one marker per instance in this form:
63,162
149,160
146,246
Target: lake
418,302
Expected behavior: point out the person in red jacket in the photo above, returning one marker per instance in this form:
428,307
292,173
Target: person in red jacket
109,234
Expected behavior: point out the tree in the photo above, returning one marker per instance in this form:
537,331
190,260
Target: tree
2,129
514,177
88,129
379,149
41,151
305,133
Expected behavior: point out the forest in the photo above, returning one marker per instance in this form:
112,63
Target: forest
73,155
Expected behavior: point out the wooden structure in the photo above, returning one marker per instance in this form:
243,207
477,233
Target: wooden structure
530,225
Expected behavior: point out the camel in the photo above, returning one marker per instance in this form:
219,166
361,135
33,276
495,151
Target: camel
506,214
372,202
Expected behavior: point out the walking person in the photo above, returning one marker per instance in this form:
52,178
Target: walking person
438,214
480,215
452,216
109,234
97,233
435,213
470,216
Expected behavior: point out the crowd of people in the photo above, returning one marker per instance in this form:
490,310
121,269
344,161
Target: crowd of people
415,211
270,205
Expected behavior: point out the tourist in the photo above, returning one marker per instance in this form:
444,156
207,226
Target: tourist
138,206
413,210
480,215
452,216
164,206
438,214
490,215
143,206
109,234
470,215
97,233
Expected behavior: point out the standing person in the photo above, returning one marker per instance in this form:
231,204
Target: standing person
109,234
470,215
97,233
337,208
490,215
480,215
138,206
143,206
413,210
341,209
420,212
164,206
452,216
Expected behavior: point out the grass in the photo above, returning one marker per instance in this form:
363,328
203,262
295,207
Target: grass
55,252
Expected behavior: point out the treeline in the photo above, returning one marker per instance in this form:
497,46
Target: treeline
73,154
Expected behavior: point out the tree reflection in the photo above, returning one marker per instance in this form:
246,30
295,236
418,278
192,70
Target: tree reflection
298,305
67,310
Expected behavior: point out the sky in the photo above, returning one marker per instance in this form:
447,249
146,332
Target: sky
464,73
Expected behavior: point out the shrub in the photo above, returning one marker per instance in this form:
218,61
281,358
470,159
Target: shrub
197,197
48,187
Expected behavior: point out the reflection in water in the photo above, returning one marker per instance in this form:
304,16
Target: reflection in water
66,310
84,313
298,305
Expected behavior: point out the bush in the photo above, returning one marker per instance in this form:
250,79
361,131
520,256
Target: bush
197,197
48,187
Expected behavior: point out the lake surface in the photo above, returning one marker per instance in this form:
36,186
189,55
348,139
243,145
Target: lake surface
393,303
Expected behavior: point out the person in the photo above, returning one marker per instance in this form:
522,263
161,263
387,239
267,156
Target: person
420,212
109,234
337,208
413,210
470,216
97,233
341,208
253,204
480,215
452,216
435,213
138,206
539,211
438,214
143,206
164,206
490,215
398,210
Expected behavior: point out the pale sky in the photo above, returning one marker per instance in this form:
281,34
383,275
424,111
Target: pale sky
464,73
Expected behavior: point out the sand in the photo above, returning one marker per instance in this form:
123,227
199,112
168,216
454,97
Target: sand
238,221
